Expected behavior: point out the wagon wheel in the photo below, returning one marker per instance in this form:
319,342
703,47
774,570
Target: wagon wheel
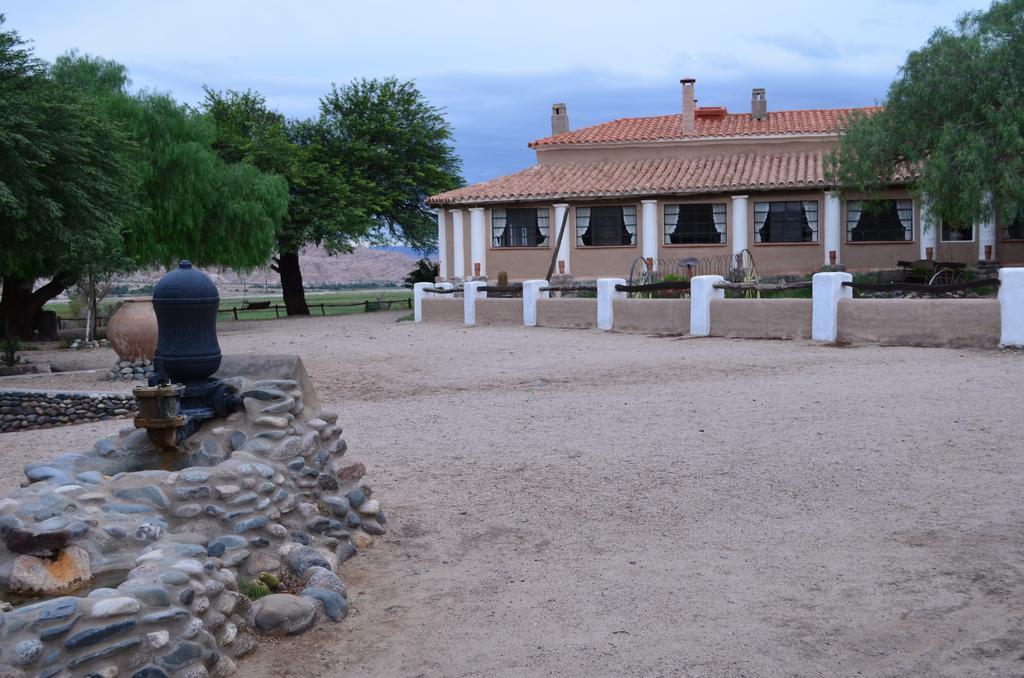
640,274
948,276
749,275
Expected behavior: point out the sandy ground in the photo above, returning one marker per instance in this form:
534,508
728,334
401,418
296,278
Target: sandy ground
584,503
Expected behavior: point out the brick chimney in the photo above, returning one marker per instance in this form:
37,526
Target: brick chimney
559,119
689,105
758,104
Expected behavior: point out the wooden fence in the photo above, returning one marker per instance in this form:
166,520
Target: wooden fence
369,306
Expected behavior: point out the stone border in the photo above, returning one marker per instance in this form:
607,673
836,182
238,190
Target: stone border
22,410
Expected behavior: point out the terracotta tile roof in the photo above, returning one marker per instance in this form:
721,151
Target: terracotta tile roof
665,127
665,176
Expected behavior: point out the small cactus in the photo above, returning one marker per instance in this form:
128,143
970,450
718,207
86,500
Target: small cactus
270,580
255,589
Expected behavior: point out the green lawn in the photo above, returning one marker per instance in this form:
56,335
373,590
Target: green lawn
312,299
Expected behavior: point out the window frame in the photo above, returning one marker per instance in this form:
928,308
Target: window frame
1004,230
578,238
666,233
546,229
911,232
815,231
942,234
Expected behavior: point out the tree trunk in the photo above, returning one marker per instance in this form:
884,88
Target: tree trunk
20,306
291,283
15,303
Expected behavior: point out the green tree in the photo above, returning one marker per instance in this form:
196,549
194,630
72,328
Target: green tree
192,203
395,150
952,122
95,180
248,131
360,171
66,184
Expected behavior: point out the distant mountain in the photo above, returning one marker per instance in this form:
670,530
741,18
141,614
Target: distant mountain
367,266
415,254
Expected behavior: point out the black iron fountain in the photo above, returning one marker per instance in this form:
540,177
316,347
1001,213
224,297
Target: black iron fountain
182,394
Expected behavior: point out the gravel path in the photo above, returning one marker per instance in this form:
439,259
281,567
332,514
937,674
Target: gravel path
584,503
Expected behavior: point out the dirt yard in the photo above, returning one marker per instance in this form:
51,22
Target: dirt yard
581,503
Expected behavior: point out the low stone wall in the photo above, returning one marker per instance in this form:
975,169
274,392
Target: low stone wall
499,312
957,323
21,410
761,318
443,310
659,316
567,313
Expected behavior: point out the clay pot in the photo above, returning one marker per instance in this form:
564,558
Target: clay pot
132,330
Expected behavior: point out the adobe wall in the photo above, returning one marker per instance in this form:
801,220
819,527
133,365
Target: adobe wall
567,313
658,316
499,311
761,318
443,310
920,322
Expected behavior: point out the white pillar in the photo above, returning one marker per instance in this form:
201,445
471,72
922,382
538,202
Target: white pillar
458,246
477,241
1011,307
702,291
561,209
987,232
827,289
470,293
442,244
531,293
928,231
419,293
649,237
606,296
738,224
833,233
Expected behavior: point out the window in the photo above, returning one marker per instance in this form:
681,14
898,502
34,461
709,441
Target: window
1015,229
519,227
605,226
953,232
879,220
697,223
786,221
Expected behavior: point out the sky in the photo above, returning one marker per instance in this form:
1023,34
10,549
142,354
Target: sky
495,68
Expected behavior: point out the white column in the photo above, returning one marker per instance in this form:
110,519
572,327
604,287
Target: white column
470,293
827,289
442,244
458,246
649,237
987,232
561,209
738,224
606,296
702,291
1011,307
833,233
418,294
531,293
928,231
477,241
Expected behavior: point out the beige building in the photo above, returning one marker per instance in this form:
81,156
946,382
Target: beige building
697,184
